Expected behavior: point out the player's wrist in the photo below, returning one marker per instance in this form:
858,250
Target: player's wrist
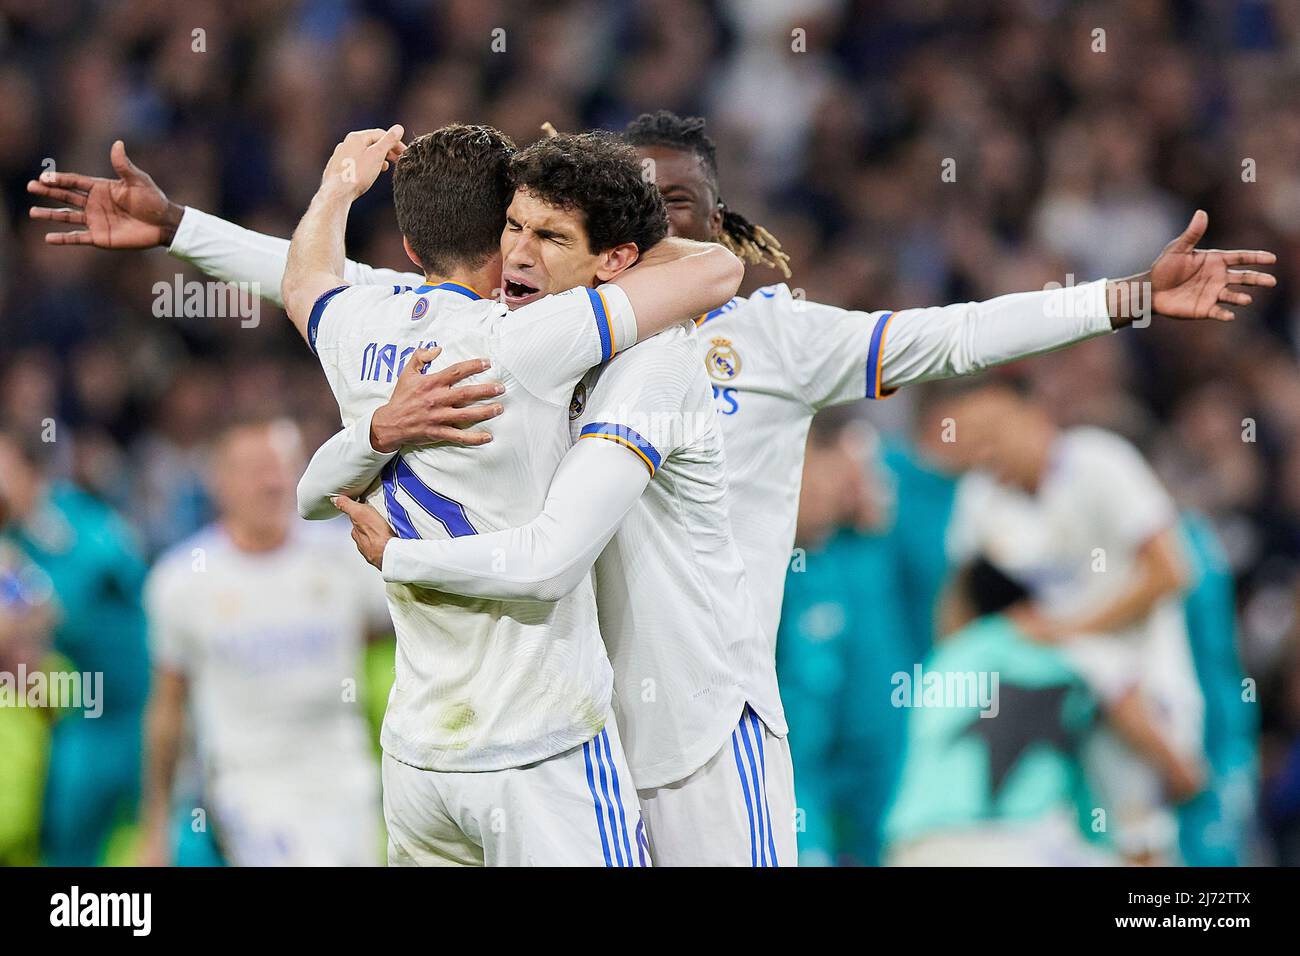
383,435
171,222
1128,299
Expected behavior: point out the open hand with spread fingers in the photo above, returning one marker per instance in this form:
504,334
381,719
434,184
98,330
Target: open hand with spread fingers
129,212
1190,283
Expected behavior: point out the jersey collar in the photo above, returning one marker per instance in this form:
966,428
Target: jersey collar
456,287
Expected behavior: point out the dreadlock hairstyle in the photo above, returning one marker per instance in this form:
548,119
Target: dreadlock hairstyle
750,241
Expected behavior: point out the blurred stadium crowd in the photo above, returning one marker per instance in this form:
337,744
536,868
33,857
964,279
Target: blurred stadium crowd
834,121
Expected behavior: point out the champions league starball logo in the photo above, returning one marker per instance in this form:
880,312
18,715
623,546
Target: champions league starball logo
722,361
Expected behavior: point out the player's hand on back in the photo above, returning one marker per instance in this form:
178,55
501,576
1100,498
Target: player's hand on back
433,407
360,158
129,212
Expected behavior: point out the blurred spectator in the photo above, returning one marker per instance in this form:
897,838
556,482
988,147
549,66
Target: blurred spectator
91,557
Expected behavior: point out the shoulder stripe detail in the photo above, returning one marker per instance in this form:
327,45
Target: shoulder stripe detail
627,438
603,326
875,356
720,310
313,321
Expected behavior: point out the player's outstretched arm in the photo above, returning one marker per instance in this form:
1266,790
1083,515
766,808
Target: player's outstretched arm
832,353
423,409
133,212
1183,283
678,279
548,345
316,256
595,486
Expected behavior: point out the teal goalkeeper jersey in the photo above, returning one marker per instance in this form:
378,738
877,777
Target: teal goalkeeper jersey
90,555
962,769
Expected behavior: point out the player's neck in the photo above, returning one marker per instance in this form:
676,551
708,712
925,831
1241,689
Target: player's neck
483,282
256,538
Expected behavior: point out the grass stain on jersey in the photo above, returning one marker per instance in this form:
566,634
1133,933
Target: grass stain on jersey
457,717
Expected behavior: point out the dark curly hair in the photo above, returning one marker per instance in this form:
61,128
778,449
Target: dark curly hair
749,241
450,190
600,176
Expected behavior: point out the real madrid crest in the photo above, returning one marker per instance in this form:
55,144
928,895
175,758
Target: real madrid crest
579,401
722,361
421,306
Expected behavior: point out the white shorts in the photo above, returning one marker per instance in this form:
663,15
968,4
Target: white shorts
298,820
577,808
736,810
1139,817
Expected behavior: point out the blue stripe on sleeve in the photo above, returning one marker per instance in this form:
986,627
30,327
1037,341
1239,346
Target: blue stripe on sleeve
602,325
313,321
628,438
873,355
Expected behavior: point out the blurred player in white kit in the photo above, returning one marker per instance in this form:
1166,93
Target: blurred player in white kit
258,624
1080,517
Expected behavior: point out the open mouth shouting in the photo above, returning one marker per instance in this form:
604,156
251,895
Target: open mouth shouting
517,292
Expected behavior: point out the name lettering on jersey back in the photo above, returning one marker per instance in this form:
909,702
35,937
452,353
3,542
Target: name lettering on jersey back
384,361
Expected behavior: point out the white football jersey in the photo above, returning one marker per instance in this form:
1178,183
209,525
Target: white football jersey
675,609
1074,544
271,645
481,684
775,359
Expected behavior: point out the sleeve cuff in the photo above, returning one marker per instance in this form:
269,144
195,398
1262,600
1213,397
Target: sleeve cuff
189,230
618,316
396,566
317,310
362,426
1096,310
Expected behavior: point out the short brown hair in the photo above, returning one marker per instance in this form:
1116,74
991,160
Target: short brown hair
600,176
450,189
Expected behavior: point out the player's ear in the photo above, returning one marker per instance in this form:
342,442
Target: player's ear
715,221
410,254
614,261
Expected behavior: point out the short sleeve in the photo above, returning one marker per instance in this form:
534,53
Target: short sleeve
642,400
334,309
548,345
171,640
833,355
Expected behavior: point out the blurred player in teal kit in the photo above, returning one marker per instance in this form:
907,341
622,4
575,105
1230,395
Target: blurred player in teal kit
1214,827
843,634
90,556
924,469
